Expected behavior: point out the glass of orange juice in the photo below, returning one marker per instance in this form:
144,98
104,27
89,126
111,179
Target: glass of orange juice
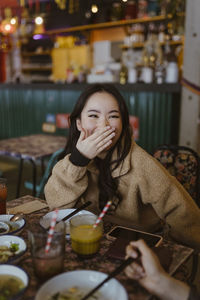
85,239
3,195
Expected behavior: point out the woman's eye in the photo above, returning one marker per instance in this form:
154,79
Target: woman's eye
114,116
93,116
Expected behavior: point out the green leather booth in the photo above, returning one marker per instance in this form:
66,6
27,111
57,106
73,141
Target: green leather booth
24,107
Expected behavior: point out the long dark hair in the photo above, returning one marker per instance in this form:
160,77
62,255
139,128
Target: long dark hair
108,186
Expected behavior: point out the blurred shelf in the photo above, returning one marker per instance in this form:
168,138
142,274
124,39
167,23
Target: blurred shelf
111,24
44,53
133,87
36,66
24,69
141,45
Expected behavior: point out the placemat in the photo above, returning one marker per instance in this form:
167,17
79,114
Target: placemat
28,208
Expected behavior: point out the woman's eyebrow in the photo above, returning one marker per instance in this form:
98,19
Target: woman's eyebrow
93,110
97,111
114,111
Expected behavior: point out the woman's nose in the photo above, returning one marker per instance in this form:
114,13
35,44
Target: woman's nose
103,122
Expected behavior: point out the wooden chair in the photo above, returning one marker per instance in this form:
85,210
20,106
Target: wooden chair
40,187
183,163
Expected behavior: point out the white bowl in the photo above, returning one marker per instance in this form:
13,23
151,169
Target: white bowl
82,279
4,228
19,224
7,240
46,219
18,272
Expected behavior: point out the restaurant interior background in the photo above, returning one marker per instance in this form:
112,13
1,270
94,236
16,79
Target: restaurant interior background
71,41
50,51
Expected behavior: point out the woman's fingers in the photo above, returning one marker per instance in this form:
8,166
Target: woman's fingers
106,140
93,144
102,139
82,135
100,134
104,146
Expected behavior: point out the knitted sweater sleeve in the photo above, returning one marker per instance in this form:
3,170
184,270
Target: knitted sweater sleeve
68,181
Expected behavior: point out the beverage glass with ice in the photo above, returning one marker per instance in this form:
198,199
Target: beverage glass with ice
51,263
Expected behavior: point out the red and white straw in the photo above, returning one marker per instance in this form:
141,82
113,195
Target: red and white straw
106,207
51,230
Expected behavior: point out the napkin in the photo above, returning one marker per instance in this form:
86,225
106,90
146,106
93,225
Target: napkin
28,208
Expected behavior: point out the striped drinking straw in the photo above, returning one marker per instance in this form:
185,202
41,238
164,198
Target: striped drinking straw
51,230
106,207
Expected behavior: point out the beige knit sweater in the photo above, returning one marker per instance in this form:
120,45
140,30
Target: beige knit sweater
149,194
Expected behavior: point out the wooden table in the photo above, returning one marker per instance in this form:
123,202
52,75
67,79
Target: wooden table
32,148
101,262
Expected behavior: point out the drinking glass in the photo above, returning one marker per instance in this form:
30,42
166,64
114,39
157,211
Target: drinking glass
3,195
85,239
46,265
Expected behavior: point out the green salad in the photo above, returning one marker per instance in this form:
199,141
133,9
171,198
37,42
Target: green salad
7,252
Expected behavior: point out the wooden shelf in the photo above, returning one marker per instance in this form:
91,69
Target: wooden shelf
111,24
132,87
44,53
24,69
141,45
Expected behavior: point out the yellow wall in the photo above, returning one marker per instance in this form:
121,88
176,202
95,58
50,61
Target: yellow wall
63,58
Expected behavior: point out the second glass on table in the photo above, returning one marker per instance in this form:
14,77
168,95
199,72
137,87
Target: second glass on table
46,265
85,239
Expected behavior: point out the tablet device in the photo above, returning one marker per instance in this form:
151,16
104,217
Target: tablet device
122,236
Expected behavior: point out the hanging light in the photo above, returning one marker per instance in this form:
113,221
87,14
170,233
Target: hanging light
39,25
13,21
39,20
6,27
9,24
94,8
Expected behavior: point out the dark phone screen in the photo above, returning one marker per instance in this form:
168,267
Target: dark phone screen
132,235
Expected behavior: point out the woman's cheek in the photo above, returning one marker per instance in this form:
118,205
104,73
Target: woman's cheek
90,131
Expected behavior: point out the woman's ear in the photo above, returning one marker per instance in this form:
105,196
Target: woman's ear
78,124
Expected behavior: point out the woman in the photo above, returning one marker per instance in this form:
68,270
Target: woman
101,161
153,277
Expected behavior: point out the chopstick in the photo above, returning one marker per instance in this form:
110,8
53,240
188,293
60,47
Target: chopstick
125,263
86,204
